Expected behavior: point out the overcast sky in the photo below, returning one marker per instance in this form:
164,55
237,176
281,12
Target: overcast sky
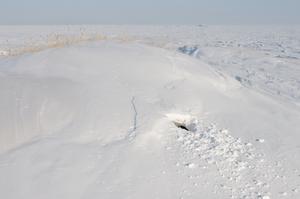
149,11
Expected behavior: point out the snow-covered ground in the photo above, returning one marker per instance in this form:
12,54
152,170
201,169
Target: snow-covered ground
149,112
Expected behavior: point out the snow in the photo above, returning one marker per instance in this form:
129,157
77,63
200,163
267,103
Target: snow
129,112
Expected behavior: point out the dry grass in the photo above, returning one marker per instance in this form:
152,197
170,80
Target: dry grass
59,41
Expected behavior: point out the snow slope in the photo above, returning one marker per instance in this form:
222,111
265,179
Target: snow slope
119,119
263,58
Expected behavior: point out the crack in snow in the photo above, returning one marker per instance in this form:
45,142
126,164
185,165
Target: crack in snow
132,131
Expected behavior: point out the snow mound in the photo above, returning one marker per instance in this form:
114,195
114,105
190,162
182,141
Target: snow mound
123,120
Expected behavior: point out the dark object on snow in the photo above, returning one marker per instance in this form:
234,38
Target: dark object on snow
183,127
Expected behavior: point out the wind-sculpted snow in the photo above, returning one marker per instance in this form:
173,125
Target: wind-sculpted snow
115,118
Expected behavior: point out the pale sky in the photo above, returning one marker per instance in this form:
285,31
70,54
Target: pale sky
239,12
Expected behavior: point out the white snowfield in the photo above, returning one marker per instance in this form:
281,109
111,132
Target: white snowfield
123,112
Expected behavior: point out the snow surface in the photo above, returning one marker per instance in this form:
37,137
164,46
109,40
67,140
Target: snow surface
149,112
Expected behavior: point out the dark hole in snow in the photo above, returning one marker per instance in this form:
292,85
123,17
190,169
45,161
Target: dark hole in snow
182,126
185,122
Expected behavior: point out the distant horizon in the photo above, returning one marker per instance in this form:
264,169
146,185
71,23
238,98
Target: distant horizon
296,24
155,12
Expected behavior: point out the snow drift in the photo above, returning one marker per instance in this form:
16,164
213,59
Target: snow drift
87,90
100,120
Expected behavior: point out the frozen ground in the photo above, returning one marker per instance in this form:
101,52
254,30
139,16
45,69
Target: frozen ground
149,112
